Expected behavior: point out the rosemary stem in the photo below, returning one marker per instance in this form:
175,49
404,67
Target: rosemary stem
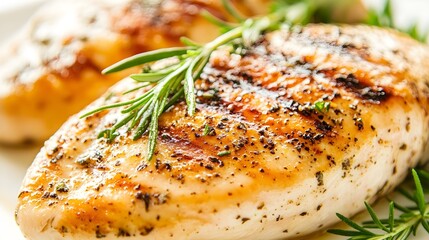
225,38
403,226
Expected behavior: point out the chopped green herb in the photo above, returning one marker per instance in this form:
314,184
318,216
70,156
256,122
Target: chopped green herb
208,95
223,153
109,96
175,82
322,106
209,131
62,187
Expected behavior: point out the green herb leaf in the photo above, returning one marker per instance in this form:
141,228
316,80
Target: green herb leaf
400,227
375,219
420,197
225,26
231,10
208,130
391,216
61,187
171,83
224,153
189,42
354,225
322,106
146,57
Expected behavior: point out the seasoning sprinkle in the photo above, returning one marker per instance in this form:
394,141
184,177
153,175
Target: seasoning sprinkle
62,187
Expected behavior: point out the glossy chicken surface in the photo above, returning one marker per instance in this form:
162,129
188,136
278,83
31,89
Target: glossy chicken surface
52,69
258,160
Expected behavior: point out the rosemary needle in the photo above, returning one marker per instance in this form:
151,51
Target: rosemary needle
393,227
173,82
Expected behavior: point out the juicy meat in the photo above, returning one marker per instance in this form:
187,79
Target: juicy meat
284,168
51,70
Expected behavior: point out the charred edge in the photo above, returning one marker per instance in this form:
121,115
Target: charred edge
186,149
323,126
372,94
211,98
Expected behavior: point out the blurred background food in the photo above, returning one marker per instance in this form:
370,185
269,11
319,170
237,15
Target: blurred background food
52,68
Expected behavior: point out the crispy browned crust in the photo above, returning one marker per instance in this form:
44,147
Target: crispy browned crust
258,106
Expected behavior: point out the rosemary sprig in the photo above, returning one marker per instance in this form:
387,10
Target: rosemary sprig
171,83
393,227
176,80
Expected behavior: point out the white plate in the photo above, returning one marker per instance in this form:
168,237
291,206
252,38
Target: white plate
15,161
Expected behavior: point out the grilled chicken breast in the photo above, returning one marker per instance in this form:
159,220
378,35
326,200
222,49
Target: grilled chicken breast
51,70
258,160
